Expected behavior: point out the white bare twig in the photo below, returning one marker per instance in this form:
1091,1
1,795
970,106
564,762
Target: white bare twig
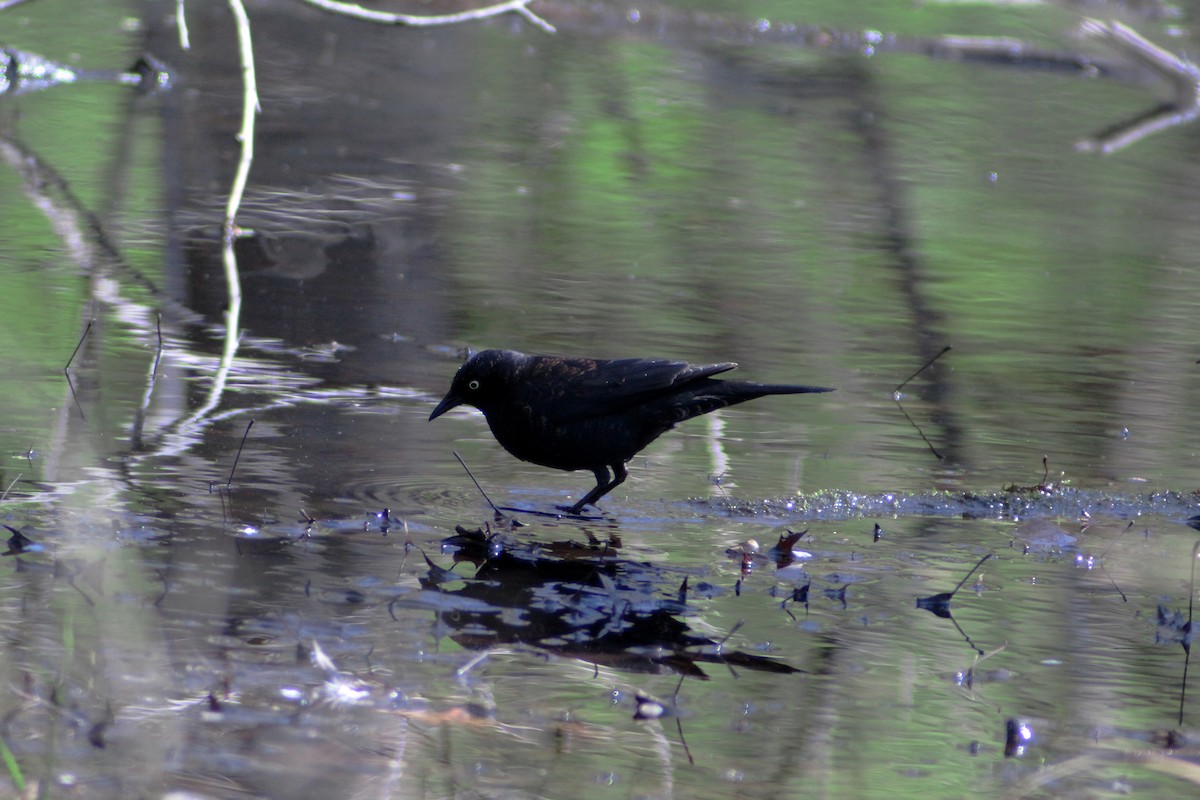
358,12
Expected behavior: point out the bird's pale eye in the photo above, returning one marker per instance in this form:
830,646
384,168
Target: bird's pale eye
473,386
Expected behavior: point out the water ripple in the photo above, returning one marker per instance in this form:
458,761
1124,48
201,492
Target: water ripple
840,504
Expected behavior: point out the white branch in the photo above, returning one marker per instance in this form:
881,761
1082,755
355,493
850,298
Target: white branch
358,12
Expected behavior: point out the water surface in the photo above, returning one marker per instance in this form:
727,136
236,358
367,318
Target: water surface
816,209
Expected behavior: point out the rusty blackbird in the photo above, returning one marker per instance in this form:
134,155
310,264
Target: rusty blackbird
584,413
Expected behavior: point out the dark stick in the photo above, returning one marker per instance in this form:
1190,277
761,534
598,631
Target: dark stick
477,486
1187,643
67,368
678,720
969,574
74,396
678,686
238,457
721,647
686,750
924,367
1183,686
736,627
1124,599
1192,585
963,634
920,432
82,338
157,355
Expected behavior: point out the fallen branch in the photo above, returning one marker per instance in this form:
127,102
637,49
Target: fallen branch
387,18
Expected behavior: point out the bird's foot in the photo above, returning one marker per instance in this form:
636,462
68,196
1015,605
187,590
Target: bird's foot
559,512
577,511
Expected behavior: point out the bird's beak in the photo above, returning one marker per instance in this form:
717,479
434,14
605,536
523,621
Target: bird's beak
448,402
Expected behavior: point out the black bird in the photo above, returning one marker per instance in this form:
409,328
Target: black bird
584,413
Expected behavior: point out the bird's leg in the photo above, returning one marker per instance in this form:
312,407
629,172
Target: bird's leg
605,483
621,474
603,478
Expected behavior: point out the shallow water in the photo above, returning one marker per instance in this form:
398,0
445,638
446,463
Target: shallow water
228,608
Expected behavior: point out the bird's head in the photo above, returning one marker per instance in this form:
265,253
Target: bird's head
481,379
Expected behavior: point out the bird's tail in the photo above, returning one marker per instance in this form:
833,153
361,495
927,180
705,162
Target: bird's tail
714,394
782,388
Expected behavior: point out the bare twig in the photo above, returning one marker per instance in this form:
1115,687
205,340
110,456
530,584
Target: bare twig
250,107
82,339
923,367
369,15
477,486
67,368
238,457
245,135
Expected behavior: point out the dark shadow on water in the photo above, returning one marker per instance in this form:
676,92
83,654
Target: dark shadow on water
576,601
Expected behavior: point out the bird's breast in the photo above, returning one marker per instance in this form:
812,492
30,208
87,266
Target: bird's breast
570,445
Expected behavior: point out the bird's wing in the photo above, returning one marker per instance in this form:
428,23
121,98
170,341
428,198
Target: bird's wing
602,387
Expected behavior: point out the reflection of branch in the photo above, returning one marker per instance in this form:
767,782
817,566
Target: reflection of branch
358,12
185,40
217,389
79,232
83,235
1183,77
1131,131
1181,74
139,419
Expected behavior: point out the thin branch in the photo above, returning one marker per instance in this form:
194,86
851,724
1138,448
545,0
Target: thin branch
386,18
250,107
477,486
82,339
923,367
238,457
